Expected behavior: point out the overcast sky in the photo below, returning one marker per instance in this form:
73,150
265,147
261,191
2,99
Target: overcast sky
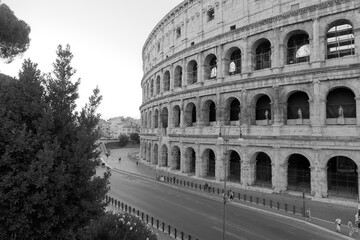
106,38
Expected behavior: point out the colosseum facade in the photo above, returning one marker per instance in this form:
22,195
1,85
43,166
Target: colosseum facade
264,92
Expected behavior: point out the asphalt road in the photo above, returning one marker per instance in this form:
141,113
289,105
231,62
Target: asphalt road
201,215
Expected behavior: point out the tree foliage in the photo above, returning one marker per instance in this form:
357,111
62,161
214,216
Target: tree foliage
113,226
135,137
48,189
14,34
123,140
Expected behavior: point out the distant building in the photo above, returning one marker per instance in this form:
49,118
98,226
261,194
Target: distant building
113,127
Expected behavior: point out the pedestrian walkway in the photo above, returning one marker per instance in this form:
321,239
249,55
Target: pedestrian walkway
323,213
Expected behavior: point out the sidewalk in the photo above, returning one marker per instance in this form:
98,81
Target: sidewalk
323,213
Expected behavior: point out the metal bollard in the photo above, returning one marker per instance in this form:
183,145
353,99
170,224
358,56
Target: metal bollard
285,207
163,226
157,224
175,233
294,209
264,202
169,229
251,199
142,216
245,197
147,219
182,235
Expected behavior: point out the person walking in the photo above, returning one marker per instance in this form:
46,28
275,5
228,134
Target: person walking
307,215
231,195
338,225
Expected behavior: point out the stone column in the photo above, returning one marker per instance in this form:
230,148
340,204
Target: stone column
199,165
184,73
220,63
219,111
200,70
357,100
275,51
357,37
172,77
315,110
315,42
219,164
246,57
199,121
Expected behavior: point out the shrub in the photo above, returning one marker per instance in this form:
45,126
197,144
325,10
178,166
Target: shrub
123,140
114,226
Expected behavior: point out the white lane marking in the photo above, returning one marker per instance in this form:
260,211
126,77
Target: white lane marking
237,236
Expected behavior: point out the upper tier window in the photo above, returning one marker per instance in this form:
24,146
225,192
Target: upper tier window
210,14
340,41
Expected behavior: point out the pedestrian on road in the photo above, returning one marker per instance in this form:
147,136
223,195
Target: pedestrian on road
338,225
231,195
351,228
307,215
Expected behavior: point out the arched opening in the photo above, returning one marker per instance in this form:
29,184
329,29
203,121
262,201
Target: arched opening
148,151
190,115
149,121
263,108
152,88
210,65
176,116
299,173
176,158
156,154
178,76
233,64
166,80
164,156
298,106
234,110
209,163
192,72
263,170
342,177
298,49
208,113
234,169
340,103
158,85
156,118
190,160
263,55
164,118
340,39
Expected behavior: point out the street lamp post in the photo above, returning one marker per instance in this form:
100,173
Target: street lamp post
226,143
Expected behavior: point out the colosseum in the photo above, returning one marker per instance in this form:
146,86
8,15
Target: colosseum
263,92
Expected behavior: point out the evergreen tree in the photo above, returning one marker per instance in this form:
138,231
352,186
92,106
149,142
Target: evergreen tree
48,189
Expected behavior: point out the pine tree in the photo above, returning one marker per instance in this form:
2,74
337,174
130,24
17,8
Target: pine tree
48,189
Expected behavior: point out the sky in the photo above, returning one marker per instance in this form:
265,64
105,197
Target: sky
106,38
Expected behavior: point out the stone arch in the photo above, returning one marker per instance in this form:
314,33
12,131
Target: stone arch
210,66
178,75
232,60
233,166
176,118
192,72
263,108
164,117
190,160
158,84
156,118
262,169
149,120
166,81
155,159
208,112
164,156
208,163
190,114
298,48
232,110
298,173
261,50
341,105
298,106
342,177
176,158
340,39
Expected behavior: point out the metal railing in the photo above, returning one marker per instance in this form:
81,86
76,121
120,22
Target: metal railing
148,219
